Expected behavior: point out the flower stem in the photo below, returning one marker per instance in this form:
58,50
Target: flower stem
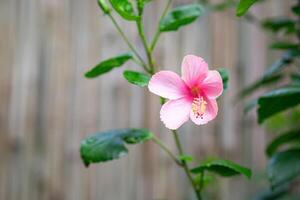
185,166
139,59
166,149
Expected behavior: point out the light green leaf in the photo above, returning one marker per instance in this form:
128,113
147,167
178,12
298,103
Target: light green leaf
186,158
136,78
283,167
103,5
107,65
225,77
109,145
243,6
282,139
180,16
125,9
276,101
223,168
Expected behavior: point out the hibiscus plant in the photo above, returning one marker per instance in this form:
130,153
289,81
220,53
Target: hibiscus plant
189,96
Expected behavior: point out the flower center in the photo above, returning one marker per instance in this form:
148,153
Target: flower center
199,107
195,91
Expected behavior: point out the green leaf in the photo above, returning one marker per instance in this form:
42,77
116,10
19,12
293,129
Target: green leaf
269,194
141,4
295,79
104,7
243,6
282,139
283,45
225,77
263,82
125,9
280,24
283,167
136,78
180,16
276,101
186,158
223,168
296,10
109,145
107,65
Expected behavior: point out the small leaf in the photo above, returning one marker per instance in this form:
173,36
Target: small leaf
283,167
136,78
180,16
282,139
186,158
107,65
243,6
104,7
109,145
276,101
283,45
225,77
125,9
223,168
280,24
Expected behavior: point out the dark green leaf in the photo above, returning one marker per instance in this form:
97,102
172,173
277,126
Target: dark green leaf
223,168
107,65
137,78
243,6
104,7
280,24
295,79
263,82
276,101
225,77
283,45
282,139
275,194
110,145
284,167
296,9
125,9
180,16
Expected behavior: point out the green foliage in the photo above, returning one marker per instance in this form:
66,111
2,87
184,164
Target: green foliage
284,167
104,7
283,45
282,139
277,24
243,6
109,145
107,65
180,16
222,167
136,78
296,10
125,9
276,101
225,77
275,194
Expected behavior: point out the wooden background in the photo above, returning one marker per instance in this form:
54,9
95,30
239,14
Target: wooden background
47,106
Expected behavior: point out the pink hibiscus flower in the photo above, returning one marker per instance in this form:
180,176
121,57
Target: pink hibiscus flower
191,96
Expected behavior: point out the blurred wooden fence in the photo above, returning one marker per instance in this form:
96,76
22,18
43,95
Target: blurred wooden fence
47,106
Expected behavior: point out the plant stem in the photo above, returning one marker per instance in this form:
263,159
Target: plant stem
185,166
163,146
157,34
145,43
139,60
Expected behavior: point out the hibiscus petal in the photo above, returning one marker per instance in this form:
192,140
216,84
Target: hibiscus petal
209,114
193,69
175,112
168,84
212,85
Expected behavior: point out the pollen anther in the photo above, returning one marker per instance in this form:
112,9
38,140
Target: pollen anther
199,107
